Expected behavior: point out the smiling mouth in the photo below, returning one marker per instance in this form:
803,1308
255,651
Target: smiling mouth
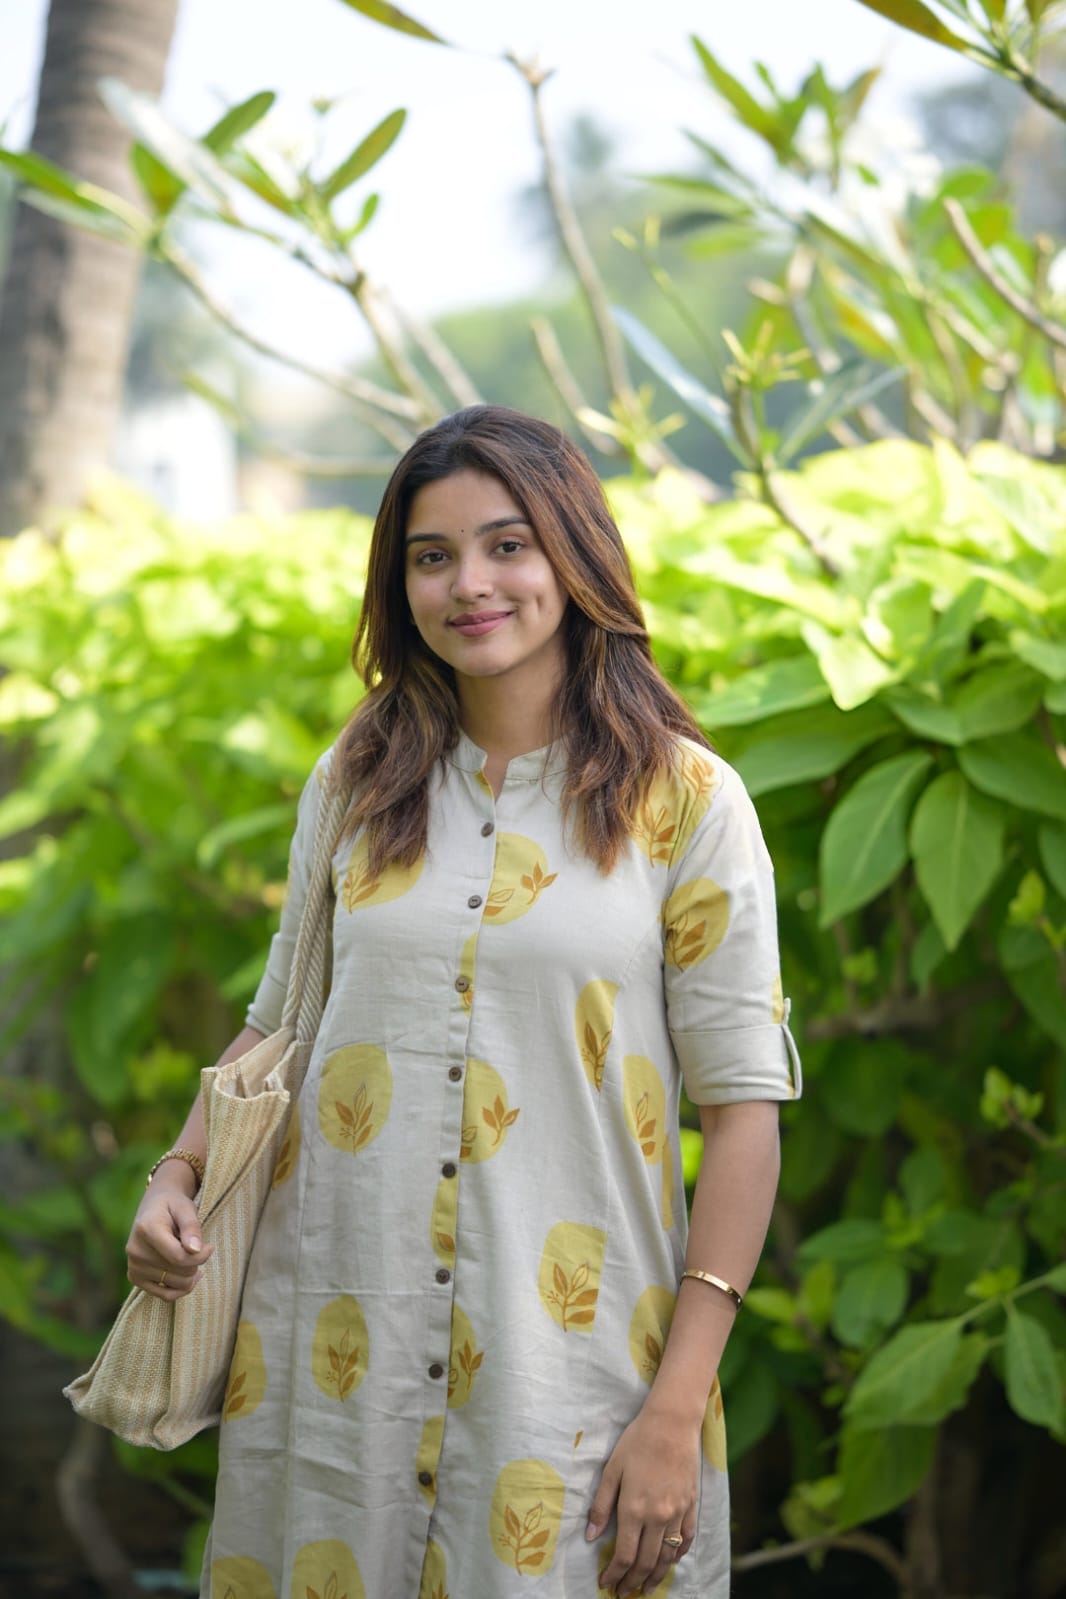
475,623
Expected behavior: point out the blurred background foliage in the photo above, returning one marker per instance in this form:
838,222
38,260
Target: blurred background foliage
847,520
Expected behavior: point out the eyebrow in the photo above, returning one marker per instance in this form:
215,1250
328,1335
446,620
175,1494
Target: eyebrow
486,527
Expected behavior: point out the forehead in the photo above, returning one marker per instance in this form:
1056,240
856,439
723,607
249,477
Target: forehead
463,500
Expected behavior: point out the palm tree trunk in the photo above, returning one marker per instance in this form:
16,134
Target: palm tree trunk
68,297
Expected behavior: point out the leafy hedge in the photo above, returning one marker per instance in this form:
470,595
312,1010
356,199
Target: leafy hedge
895,700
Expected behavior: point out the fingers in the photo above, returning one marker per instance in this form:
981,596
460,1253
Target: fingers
670,1554
641,1559
603,1504
165,1252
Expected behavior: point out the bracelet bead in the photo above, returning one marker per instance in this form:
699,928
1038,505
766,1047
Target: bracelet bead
190,1157
716,1282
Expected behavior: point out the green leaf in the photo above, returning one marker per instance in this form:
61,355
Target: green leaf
870,1299
161,188
392,17
999,699
1020,769
927,717
57,193
1056,1278
753,115
752,1398
863,1088
1055,699
251,824
1033,972
1034,1386
116,1000
918,18
956,840
881,1470
710,408
764,691
364,156
850,667
864,846
237,121
847,1242
1040,653
899,1379
187,159
855,384
805,746
953,1389
1051,841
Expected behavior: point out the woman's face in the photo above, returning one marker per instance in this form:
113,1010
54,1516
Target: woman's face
482,592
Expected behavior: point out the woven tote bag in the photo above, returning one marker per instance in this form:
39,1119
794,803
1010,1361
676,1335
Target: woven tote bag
161,1373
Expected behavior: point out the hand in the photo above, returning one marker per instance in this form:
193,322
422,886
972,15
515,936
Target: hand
652,1480
165,1237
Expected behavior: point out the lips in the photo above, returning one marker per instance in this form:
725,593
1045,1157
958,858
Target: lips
473,624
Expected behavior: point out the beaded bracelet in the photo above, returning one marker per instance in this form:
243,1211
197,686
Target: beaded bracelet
716,1282
188,1155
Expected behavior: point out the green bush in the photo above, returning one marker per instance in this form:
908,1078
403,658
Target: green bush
900,724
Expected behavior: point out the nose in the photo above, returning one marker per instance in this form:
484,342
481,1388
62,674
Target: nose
472,579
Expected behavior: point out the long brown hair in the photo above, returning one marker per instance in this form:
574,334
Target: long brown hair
616,716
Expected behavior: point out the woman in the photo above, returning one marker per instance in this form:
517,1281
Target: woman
469,1364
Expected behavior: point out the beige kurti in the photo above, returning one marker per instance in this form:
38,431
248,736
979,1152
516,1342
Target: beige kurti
466,1270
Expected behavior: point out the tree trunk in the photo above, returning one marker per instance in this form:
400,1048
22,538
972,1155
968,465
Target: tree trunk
68,297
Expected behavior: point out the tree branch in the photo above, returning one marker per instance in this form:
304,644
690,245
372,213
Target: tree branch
565,384
960,226
863,1543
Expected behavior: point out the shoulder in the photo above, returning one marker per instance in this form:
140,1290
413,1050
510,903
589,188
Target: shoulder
677,800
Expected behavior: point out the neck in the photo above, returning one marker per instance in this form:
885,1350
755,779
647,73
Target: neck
502,722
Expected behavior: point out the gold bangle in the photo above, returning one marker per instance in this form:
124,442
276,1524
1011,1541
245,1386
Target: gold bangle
190,1157
716,1282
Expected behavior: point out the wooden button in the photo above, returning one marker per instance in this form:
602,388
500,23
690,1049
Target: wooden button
462,984
436,1370
426,1479
474,901
449,1169
444,1275
455,1073
487,829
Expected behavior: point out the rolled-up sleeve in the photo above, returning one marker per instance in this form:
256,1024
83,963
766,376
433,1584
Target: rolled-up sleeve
265,1011
727,1016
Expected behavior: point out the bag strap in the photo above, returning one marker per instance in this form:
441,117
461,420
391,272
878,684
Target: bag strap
305,996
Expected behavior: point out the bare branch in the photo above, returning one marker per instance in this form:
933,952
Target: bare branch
863,1543
565,384
376,314
960,226
443,360
373,405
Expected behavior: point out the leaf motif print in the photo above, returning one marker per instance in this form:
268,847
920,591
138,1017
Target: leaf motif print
465,1360
520,876
648,1327
434,1583
487,1115
593,1027
326,1570
246,1383
239,1577
361,888
654,831
644,1104
695,921
354,1096
286,1163
340,1348
569,1278
527,1507
713,1432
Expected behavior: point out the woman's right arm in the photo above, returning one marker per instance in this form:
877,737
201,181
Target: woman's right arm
165,1240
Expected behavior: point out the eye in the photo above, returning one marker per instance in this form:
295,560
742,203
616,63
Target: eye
510,546
429,558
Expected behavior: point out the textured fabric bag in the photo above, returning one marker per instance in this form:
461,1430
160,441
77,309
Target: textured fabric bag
161,1373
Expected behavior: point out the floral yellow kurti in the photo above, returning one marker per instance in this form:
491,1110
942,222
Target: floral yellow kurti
464,1277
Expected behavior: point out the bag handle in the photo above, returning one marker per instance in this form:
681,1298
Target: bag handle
305,995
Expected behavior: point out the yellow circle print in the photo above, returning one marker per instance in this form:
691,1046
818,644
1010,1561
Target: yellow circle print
527,1508
340,1348
246,1383
696,917
465,1361
713,1433
593,1023
519,879
354,1096
648,1327
442,1220
488,1116
240,1577
569,1277
326,1570
434,1584
361,887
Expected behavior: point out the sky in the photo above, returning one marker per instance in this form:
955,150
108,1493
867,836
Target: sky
447,233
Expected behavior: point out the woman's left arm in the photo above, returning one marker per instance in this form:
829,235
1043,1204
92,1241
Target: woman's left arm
652,1477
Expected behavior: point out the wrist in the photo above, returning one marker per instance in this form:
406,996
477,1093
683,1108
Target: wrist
676,1408
175,1176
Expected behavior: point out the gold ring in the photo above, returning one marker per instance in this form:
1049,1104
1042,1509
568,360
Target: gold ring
162,1281
674,1539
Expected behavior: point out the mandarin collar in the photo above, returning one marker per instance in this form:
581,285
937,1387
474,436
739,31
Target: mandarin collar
528,768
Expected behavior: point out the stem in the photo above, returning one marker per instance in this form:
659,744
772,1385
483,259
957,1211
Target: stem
566,385
980,258
407,375
374,405
863,1543
444,362
1019,69
769,481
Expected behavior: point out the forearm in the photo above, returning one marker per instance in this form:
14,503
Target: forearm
178,1173
730,1215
